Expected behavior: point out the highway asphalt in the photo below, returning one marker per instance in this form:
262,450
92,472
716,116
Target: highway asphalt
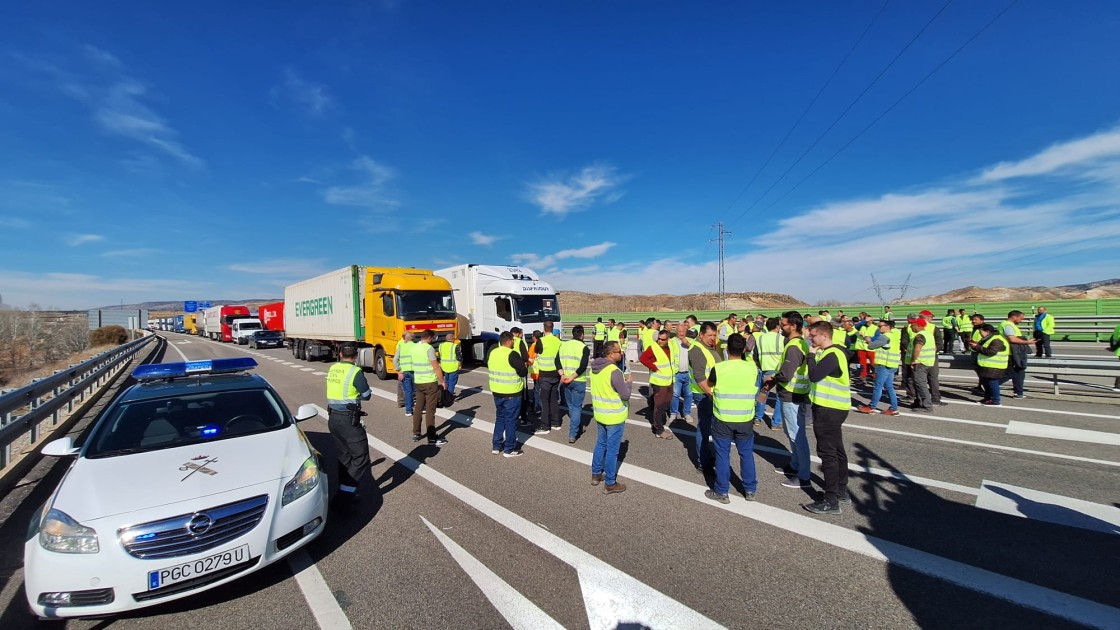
456,537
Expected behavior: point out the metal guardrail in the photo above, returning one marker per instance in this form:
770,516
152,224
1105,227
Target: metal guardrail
1051,367
64,388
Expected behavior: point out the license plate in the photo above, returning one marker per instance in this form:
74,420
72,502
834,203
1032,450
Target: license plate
197,568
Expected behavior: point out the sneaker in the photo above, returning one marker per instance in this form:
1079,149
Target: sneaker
571,440
990,403
614,488
541,431
596,479
844,497
786,470
439,441
517,453
687,418
865,409
923,410
775,427
941,403
416,438
1020,395
408,414
794,482
890,412
822,507
557,427
749,496
495,451
721,498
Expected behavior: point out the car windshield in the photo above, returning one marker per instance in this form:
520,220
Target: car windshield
150,425
249,326
416,305
266,334
537,308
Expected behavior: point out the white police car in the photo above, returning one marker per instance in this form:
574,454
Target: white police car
193,477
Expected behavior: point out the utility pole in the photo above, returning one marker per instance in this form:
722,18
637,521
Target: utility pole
901,288
720,234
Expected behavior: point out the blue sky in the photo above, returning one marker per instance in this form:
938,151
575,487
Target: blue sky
223,150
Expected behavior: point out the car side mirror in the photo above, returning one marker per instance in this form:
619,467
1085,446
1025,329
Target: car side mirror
306,412
63,447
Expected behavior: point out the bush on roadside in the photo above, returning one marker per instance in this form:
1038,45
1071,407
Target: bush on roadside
108,335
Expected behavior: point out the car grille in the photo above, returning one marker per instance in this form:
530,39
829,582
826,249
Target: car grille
175,536
197,582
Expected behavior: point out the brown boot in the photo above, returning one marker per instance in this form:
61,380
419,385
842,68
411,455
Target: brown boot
612,489
597,479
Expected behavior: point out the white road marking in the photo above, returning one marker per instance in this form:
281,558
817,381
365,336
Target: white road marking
180,352
285,362
518,611
1043,506
1017,427
308,369
319,373
983,581
1013,449
296,366
324,607
181,343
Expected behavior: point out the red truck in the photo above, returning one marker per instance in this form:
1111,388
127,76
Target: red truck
272,316
216,320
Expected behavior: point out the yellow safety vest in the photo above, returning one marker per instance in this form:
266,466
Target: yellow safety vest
405,348
998,360
612,334
833,392
550,348
965,325
799,384
840,337
422,370
503,378
607,406
724,330
447,357
1014,326
1048,324
733,395
769,351
889,356
709,364
664,374
600,331
340,384
646,335
928,355
674,354
571,353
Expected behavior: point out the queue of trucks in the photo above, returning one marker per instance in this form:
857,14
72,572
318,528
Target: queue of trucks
373,307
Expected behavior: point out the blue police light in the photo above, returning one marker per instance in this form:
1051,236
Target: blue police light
157,371
209,431
146,536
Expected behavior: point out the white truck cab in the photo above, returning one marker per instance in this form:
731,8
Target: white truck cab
242,329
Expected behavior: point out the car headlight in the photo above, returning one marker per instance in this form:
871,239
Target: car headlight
304,481
58,532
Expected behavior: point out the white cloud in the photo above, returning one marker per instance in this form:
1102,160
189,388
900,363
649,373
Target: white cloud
82,291
310,98
137,252
75,240
549,261
485,240
369,192
14,223
287,267
1104,145
560,195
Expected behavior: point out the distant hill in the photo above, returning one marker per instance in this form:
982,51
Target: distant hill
575,302
1089,291
165,309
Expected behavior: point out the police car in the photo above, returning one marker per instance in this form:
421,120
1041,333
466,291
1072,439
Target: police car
195,476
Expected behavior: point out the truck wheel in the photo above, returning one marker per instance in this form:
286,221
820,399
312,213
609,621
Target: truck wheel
301,354
379,366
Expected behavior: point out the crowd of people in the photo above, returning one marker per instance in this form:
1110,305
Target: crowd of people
800,366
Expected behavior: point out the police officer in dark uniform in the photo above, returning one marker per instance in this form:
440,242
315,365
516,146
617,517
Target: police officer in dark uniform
346,388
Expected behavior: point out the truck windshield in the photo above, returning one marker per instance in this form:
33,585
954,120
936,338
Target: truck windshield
249,326
537,308
416,305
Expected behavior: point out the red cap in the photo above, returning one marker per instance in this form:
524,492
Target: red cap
926,314
920,323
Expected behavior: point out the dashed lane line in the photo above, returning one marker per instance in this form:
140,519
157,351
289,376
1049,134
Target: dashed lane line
324,607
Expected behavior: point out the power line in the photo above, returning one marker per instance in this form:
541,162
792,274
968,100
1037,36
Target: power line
720,234
901,288
847,109
892,105
805,111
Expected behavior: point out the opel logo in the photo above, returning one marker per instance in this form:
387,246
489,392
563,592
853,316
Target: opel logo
199,524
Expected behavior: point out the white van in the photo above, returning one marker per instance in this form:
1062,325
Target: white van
242,329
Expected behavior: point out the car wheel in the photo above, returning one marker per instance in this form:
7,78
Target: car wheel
379,366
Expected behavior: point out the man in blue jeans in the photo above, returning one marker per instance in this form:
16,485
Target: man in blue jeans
610,396
792,382
734,385
703,356
507,372
887,359
402,363
677,409
574,358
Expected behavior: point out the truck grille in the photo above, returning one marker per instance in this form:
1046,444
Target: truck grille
188,534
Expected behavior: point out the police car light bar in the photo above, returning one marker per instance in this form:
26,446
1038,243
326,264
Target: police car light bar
156,371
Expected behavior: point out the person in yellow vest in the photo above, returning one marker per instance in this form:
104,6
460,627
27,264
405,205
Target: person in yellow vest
599,337
734,386
574,359
726,329
950,328
428,378
640,338
887,359
964,323
679,347
1043,329
702,357
450,359
548,367
1020,350
623,344
693,325
507,373
610,397
402,363
792,384
921,356
658,360
768,350
830,395
992,355
976,321
864,328
839,333
346,388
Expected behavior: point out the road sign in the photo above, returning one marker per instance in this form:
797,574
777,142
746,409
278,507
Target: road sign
202,305
190,307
